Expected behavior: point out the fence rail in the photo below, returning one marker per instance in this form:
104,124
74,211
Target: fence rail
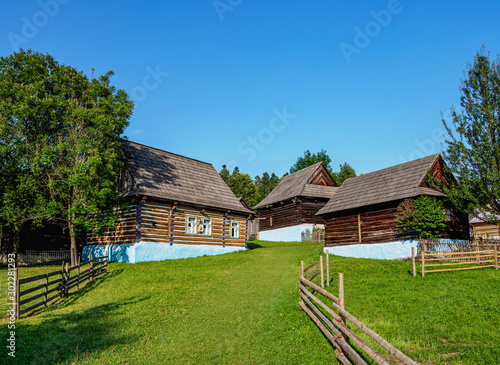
452,256
60,286
331,318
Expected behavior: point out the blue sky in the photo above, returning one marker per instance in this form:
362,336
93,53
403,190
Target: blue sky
256,83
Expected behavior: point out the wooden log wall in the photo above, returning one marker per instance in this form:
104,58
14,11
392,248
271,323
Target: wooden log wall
162,222
127,230
290,214
380,226
485,230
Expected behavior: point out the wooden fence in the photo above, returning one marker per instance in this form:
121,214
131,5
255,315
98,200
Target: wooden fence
439,256
333,322
49,288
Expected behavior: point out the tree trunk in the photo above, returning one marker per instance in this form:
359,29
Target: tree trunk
73,243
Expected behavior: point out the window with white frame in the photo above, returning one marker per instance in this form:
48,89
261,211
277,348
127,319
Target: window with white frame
235,229
206,226
191,224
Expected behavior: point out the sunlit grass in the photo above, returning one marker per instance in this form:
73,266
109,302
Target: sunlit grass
242,308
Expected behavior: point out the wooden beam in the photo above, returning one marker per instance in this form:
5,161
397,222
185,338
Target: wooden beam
359,228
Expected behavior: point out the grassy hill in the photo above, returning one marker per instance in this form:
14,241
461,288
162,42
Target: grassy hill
242,308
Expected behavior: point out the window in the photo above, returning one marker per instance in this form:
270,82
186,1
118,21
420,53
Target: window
206,226
191,224
448,214
235,229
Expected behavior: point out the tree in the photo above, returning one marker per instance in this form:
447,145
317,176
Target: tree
242,186
345,172
310,159
224,173
264,185
424,216
60,144
473,143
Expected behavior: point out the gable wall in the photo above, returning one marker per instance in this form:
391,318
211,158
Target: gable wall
291,214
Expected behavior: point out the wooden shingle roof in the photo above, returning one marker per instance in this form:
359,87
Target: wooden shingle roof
389,184
164,175
298,184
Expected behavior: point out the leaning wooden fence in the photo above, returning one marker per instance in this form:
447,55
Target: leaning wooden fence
333,322
55,284
439,256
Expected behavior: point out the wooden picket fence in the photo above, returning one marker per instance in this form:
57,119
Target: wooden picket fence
333,322
65,279
439,256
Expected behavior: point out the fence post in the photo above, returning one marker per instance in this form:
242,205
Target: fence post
106,261
423,261
91,266
16,292
322,275
413,261
66,280
477,251
341,294
61,290
327,268
495,252
46,287
302,268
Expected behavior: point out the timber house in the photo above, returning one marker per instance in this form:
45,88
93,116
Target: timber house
292,205
178,207
482,226
363,210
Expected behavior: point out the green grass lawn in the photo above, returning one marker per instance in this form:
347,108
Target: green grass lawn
242,308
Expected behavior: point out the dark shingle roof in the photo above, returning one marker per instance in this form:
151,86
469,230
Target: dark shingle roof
389,184
295,185
160,174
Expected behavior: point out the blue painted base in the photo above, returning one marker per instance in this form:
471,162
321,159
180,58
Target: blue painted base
287,234
154,251
382,251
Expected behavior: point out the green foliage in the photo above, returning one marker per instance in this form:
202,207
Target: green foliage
310,159
473,143
242,186
424,216
345,172
265,185
60,143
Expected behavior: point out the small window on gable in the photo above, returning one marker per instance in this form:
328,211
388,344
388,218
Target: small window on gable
191,224
235,229
206,226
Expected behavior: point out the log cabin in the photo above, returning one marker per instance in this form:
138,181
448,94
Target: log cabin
482,226
360,217
291,207
178,207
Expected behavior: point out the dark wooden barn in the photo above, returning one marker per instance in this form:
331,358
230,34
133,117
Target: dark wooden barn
294,202
364,208
178,207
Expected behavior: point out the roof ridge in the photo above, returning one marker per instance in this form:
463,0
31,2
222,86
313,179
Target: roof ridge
172,153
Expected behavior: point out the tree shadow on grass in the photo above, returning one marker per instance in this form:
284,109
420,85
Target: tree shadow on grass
253,245
73,337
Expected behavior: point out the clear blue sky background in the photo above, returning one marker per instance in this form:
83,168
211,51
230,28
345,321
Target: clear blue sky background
234,65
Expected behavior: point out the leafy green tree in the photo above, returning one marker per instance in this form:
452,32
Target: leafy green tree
310,159
345,172
424,216
242,186
60,144
473,144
